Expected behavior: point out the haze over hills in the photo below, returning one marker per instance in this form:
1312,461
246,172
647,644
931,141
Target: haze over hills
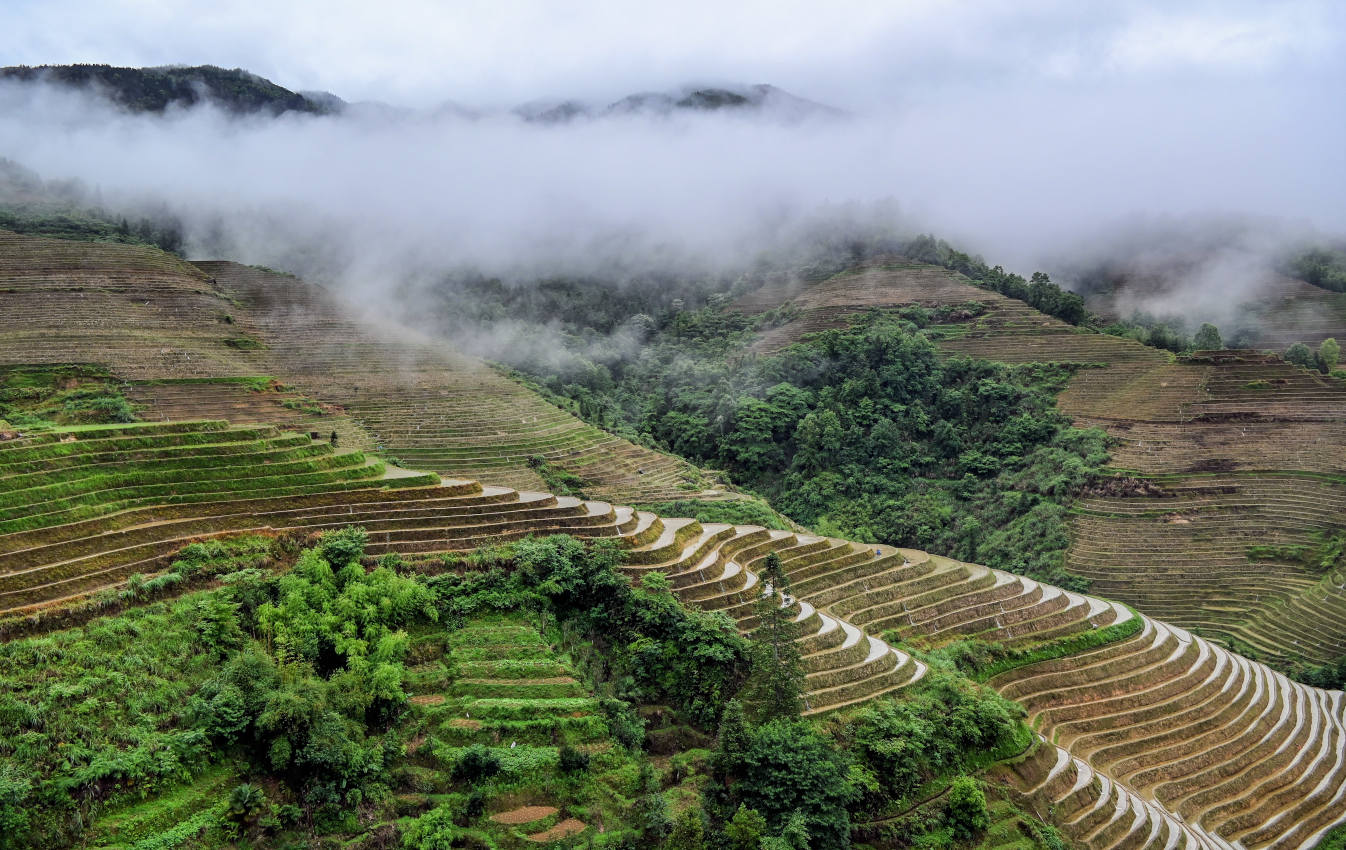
239,92
501,426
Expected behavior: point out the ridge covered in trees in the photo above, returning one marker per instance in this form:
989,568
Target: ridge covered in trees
157,89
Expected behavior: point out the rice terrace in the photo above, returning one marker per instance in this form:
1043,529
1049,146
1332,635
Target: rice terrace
637,470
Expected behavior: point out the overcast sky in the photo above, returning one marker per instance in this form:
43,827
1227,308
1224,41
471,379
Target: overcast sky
857,53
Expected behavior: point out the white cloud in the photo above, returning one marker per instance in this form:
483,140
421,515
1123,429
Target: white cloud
1020,129
857,52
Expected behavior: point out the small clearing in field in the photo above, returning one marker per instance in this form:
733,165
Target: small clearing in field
524,814
564,829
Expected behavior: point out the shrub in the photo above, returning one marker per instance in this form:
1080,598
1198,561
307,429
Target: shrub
966,810
476,764
573,760
343,545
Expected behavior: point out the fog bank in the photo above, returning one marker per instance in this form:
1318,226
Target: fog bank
1029,176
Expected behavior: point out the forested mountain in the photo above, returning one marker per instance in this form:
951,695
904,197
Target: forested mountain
157,89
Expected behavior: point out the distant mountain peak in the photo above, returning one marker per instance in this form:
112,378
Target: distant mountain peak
764,98
159,88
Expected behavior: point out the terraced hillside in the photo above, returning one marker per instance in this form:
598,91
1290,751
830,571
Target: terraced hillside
1236,449
513,695
432,407
145,312
1286,310
178,332
1153,720
85,509
1256,460
1296,312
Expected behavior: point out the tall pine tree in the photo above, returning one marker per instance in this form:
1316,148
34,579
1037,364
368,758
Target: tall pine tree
775,687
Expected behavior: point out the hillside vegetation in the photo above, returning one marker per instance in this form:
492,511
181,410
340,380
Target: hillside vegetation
864,623
863,432
334,650
282,707
1214,454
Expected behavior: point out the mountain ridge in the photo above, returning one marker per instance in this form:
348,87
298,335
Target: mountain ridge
241,92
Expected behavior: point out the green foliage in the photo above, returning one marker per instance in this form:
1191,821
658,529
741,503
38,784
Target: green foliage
866,433
93,714
966,809
343,546
61,395
1326,552
690,659
1331,676
435,830
476,764
774,688
1038,292
1335,839
244,343
689,831
786,772
981,661
949,725
156,89
745,829
1300,355
572,760
310,701
1324,360
66,209
558,480
16,789
1329,353
1207,338
1324,267
651,815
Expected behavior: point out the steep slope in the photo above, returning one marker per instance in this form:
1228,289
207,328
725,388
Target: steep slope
142,310
1167,740
1236,449
1281,311
430,406
174,331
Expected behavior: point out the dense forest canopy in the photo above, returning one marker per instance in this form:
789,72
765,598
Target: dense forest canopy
862,432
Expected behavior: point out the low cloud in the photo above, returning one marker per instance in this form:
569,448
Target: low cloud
1030,174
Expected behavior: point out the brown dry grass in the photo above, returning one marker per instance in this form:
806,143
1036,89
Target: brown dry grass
564,829
524,814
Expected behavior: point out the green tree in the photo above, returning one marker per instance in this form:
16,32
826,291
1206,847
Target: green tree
745,830
689,831
794,835
476,764
434,830
790,771
967,809
1207,338
1330,353
1300,355
776,683
731,746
